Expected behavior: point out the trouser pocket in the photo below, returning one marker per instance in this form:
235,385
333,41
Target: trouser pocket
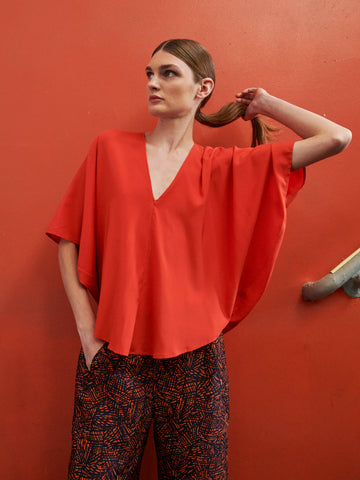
101,367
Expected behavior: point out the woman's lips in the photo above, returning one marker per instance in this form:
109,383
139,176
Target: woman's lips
155,99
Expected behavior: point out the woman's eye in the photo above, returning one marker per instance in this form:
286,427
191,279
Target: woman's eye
149,75
169,73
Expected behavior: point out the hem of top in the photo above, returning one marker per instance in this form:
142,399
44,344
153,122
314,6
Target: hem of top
89,282
285,188
298,172
160,356
56,236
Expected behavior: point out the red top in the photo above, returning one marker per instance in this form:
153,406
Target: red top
170,274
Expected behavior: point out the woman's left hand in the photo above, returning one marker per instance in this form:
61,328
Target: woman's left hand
254,99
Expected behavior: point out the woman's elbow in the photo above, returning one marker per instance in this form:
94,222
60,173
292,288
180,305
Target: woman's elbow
340,140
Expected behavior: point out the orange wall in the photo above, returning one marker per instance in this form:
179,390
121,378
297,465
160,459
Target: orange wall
72,69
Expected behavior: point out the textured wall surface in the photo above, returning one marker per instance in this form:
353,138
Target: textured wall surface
72,69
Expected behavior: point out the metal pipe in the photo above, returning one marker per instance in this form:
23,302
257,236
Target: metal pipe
345,272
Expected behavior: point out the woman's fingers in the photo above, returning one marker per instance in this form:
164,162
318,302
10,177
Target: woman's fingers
245,101
252,97
246,96
247,92
251,93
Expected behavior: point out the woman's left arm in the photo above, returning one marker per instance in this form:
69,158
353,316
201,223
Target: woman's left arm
322,138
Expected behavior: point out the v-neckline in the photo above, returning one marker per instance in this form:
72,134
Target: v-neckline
171,184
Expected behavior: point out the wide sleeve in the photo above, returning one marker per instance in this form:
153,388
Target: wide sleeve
259,187
74,219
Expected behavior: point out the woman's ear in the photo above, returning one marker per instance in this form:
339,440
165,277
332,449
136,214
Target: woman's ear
206,86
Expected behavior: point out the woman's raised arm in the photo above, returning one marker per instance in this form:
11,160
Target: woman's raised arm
322,138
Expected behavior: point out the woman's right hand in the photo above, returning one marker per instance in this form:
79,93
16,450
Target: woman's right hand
90,348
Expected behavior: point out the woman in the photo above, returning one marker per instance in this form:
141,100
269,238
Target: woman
176,243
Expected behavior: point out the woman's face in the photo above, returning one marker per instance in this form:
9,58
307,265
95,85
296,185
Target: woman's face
171,89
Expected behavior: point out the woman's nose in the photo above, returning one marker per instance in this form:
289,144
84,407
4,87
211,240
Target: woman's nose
153,83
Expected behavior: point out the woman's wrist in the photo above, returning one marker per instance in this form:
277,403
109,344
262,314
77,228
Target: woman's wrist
88,340
269,105
85,326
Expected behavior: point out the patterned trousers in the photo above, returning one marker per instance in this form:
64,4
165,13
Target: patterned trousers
186,398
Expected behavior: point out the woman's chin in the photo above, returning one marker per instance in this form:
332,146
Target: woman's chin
167,114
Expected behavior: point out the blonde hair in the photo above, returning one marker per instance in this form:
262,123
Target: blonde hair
201,63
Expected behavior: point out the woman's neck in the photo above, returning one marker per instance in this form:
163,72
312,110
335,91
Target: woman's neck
172,134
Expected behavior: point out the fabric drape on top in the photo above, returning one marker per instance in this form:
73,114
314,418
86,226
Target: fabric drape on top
171,273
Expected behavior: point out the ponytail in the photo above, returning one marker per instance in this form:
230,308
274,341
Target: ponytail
199,60
261,131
